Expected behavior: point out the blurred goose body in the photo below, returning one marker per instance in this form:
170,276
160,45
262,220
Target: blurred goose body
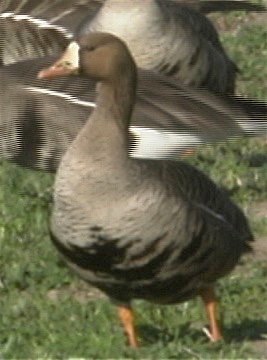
156,230
169,36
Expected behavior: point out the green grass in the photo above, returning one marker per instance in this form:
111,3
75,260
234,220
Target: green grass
35,324
249,49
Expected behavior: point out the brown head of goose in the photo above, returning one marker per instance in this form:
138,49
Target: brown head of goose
155,230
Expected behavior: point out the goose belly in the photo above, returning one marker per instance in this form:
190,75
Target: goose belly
145,250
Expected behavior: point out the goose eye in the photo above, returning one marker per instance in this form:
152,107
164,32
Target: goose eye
89,48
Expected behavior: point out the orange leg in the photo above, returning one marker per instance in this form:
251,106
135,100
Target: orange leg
188,152
127,319
209,298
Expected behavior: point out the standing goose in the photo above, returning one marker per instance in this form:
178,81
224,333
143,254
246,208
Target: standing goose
155,230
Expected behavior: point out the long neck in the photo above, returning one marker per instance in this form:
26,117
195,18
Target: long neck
105,135
115,101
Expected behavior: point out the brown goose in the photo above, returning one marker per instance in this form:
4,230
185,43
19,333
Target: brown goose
156,230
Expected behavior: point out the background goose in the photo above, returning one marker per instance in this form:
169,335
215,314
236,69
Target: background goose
69,12
169,36
176,127
156,230
162,127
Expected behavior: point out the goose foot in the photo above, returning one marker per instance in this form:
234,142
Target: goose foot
214,332
188,152
126,316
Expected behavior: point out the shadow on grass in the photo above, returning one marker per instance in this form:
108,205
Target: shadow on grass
258,160
247,330
151,335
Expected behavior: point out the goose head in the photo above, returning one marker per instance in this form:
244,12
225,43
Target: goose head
100,56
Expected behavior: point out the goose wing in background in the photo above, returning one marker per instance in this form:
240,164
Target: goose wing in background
31,28
47,26
65,13
168,119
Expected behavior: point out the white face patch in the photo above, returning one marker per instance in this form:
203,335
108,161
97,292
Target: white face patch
71,55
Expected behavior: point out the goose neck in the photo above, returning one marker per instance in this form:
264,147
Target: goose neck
106,132
115,99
